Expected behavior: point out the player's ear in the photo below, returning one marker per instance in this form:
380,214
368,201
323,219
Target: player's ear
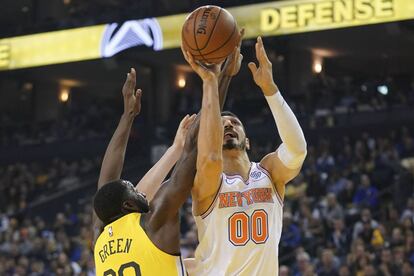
129,206
247,144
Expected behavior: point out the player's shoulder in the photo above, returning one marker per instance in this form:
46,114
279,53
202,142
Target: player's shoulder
258,171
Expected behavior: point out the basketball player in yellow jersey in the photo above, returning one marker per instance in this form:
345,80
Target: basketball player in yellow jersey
132,243
141,238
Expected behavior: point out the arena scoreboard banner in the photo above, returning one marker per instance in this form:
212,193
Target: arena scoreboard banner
266,19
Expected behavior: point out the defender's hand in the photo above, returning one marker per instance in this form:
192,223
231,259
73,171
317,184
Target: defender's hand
132,97
182,130
233,62
206,72
263,75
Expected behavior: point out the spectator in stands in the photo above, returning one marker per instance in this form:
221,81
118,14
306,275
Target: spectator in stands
292,238
386,265
347,194
365,220
328,265
325,162
397,238
333,210
340,238
408,211
344,271
284,271
369,270
302,264
407,269
310,223
366,195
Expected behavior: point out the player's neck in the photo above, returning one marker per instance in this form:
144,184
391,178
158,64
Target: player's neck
236,162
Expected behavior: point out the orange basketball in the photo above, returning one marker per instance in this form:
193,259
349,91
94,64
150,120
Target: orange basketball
210,34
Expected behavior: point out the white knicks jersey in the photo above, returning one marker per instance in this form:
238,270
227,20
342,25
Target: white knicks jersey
239,234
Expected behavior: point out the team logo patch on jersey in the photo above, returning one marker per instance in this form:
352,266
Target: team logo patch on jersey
256,175
110,232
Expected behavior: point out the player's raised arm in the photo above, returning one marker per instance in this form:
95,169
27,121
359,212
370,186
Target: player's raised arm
113,160
285,163
153,179
210,139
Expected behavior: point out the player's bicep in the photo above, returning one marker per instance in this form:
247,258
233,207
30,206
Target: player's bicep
207,178
206,185
173,193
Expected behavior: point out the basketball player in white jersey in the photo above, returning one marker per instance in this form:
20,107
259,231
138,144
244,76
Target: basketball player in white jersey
237,203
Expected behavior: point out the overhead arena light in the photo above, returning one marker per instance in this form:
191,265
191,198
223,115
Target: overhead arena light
64,94
181,82
382,89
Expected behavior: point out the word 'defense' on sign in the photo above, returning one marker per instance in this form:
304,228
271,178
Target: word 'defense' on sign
4,55
266,19
324,13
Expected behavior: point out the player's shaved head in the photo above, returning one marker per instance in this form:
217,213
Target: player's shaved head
226,113
109,201
229,113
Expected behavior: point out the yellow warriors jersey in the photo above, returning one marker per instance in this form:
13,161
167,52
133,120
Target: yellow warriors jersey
123,248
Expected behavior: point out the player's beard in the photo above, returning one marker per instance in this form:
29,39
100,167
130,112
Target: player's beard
141,203
231,145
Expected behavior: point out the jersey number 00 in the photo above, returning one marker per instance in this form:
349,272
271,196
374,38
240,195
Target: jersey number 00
243,227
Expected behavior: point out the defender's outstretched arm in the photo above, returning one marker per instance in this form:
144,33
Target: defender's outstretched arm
113,160
152,180
230,69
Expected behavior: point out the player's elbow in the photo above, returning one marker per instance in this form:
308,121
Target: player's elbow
299,151
297,159
292,158
302,153
301,147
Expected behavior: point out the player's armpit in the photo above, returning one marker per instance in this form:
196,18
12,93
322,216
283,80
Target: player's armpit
280,174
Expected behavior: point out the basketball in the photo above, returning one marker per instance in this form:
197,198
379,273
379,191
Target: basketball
210,34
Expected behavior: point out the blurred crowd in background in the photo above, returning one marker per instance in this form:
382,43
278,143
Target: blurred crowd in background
326,99
349,212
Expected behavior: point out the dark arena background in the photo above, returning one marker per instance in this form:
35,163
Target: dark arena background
346,68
